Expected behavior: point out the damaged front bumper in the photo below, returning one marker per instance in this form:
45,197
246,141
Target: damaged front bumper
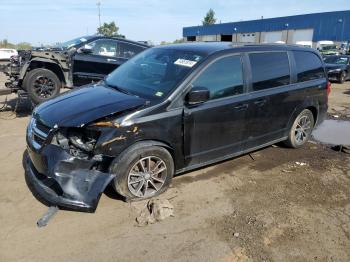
64,180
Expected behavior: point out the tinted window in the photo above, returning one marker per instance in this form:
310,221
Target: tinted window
308,66
339,60
103,47
269,70
223,77
126,50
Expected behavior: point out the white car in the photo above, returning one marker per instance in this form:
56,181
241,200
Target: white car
304,43
5,54
321,44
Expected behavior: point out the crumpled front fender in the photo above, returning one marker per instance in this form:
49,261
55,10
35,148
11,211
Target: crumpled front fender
68,181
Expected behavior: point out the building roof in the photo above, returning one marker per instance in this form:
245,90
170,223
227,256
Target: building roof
327,26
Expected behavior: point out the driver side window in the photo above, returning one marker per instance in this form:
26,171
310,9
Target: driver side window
104,47
222,78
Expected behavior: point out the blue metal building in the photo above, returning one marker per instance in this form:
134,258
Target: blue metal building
334,26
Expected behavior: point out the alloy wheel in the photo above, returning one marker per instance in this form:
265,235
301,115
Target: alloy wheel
44,87
303,129
147,176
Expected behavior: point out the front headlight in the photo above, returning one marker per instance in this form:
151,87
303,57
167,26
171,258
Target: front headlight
30,127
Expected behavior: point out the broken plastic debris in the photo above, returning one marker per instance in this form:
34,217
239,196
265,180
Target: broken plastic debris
155,210
300,163
47,216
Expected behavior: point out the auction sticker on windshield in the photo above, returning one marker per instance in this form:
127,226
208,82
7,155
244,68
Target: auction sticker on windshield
184,62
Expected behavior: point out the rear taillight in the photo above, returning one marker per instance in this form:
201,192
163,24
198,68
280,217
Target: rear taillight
329,88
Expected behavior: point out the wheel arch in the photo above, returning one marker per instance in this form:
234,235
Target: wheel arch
40,63
308,103
147,143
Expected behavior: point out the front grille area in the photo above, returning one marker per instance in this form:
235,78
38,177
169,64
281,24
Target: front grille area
45,129
38,139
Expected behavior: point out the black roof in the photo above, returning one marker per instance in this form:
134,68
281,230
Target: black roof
119,39
213,47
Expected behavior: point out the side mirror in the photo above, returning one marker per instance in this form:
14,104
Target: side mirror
86,49
197,95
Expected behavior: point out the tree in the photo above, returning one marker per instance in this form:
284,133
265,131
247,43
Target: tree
209,18
179,41
24,46
108,29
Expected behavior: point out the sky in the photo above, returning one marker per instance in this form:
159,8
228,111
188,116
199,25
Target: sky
46,21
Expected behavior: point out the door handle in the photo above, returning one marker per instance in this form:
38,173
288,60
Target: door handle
111,60
260,102
241,107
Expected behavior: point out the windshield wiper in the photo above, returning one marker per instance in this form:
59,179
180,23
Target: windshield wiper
120,89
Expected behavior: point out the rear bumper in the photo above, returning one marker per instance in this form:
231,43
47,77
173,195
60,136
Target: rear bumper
68,182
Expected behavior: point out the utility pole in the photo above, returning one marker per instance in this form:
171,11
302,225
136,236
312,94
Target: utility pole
99,12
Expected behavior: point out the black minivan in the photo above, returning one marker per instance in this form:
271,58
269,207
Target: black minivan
168,110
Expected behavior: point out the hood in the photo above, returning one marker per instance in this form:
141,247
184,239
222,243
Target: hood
84,105
334,66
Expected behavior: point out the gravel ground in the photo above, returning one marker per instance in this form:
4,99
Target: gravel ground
278,204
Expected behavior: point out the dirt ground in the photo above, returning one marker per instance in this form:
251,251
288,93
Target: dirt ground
263,207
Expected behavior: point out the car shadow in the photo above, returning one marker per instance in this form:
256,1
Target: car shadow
111,193
347,92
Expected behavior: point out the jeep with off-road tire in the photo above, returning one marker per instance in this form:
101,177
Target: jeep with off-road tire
42,74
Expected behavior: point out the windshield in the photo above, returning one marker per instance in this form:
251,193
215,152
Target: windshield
154,73
73,42
336,60
329,47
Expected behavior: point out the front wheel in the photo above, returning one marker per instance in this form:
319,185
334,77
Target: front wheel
143,171
301,129
42,84
342,77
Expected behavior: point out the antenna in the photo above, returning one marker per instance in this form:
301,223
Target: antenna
99,12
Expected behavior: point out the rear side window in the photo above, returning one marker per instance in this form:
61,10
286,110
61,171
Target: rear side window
308,66
223,78
269,70
126,50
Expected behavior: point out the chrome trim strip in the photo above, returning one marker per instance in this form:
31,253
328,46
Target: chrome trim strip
39,132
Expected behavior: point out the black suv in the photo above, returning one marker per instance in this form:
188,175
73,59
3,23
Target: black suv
168,110
73,63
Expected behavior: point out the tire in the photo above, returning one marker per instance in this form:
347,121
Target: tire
301,129
134,184
41,85
342,77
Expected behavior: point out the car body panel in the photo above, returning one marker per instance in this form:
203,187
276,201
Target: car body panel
195,135
86,104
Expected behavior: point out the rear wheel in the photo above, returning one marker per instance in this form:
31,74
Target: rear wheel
143,171
41,85
301,129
